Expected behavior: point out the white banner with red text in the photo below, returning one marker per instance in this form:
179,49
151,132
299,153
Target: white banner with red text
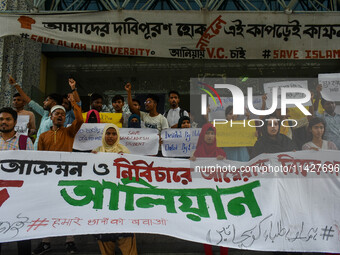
184,34
263,208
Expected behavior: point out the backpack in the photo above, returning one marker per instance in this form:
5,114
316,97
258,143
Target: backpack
92,116
23,142
181,113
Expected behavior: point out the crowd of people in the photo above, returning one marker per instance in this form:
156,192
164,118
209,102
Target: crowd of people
61,118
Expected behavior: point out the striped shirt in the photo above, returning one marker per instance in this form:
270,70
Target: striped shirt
13,143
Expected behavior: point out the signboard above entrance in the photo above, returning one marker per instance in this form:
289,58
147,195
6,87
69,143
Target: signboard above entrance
186,35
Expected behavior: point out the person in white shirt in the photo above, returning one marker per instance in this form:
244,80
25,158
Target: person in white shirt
151,118
317,129
175,112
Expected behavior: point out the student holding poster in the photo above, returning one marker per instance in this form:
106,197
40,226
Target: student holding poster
184,122
235,153
125,241
206,148
332,119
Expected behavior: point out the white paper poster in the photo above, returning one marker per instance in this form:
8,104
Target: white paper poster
141,141
22,124
330,86
179,142
268,88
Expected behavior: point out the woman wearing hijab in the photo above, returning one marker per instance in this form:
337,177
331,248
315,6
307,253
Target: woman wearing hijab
316,128
134,121
206,148
125,241
206,145
271,140
184,122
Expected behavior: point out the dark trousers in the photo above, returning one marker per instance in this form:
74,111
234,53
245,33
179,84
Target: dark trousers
24,247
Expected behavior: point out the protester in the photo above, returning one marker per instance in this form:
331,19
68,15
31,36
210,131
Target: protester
126,242
235,153
316,128
184,122
332,119
44,111
175,112
18,104
206,148
134,121
206,144
271,141
96,102
60,138
136,103
151,119
67,104
117,104
10,140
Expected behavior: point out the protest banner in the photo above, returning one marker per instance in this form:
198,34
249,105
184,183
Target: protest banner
184,35
330,86
284,84
22,124
240,134
108,117
141,141
284,202
179,142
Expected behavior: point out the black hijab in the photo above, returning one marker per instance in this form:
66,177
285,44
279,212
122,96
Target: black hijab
269,144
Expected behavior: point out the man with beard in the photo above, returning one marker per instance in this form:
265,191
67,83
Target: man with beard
10,140
175,112
332,119
44,111
60,138
18,105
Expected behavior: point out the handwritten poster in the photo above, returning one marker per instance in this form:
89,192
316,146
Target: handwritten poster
179,142
108,117
22,124
283,202
141,141
184,35
330,86
89,136
268,88
218,112
237,134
